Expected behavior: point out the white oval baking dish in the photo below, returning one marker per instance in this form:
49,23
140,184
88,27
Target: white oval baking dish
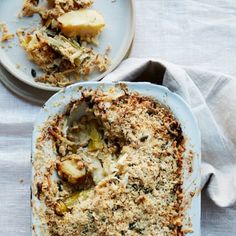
57,103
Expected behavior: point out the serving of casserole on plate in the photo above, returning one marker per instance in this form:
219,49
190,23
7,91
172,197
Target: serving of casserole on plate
60,45
50,44
116,159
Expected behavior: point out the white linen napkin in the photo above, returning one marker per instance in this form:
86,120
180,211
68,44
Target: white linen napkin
212,98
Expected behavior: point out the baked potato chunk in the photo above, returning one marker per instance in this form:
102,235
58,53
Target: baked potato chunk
72,170
83,22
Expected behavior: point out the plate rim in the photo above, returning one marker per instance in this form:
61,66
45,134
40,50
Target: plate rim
14,72
22,90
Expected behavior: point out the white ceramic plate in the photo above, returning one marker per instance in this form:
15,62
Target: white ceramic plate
23,90
57,103
119,32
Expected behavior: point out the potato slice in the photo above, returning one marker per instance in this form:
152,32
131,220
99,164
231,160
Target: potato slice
84,23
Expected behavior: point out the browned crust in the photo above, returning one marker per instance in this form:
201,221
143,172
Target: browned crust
139,191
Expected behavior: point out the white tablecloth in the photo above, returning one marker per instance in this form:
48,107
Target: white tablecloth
197,33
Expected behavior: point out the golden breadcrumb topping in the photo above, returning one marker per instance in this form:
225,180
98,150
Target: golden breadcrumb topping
118,166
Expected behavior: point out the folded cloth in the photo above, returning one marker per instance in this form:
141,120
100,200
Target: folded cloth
212,98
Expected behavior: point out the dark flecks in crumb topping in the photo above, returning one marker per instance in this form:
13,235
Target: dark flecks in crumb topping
137,144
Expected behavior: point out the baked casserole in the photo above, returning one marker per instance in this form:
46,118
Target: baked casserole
118,168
